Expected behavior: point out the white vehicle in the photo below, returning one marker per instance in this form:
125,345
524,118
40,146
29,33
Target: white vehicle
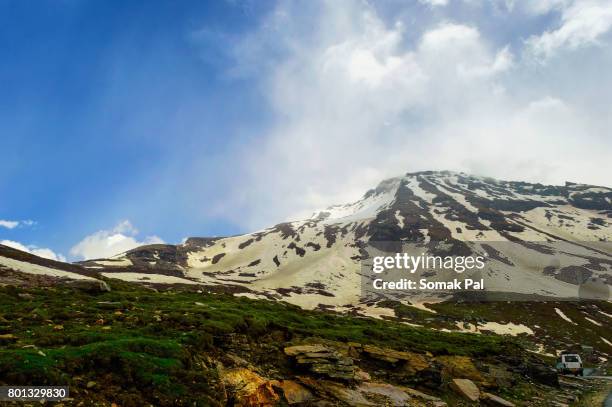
570,363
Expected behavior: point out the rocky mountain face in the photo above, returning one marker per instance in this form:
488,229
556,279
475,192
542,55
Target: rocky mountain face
317,262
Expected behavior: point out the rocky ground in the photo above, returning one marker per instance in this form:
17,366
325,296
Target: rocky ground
126,345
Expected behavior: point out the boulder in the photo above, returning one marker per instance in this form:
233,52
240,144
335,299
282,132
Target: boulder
248,388
466,389
493,400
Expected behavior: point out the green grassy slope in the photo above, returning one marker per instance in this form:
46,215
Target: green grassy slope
138,344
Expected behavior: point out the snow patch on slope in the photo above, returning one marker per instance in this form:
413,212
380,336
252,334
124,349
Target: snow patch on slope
30,268
563,316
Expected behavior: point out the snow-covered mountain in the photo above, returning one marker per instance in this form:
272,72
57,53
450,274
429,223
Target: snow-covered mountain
317,262
539,241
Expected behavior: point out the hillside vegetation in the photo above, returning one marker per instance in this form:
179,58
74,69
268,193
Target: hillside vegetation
135,345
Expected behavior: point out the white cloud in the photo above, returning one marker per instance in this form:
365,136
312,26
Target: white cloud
583,23
37,251
108,243
9,224
360,98
12,224
348,103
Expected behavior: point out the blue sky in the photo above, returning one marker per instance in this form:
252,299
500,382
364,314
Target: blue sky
102,104
147,121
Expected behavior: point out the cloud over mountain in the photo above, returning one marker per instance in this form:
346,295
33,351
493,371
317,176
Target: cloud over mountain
357,95
107,243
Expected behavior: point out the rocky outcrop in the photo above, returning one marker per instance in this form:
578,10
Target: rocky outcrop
339,378
370,394
324,360
336,360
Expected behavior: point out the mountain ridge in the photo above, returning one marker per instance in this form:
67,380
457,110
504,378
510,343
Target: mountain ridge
318,257
316,260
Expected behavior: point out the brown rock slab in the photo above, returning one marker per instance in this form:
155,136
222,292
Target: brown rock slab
465,388
303,349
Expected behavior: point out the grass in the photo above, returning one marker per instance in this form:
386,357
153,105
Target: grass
549,328
56,317
133,338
